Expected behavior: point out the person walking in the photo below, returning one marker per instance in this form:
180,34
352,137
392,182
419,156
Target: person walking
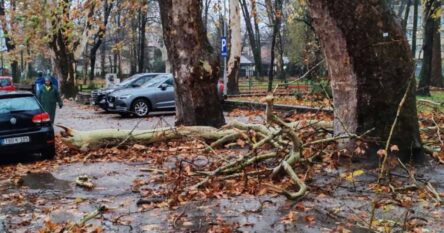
49,96
38,84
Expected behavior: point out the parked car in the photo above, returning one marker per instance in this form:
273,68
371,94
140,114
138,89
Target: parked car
99,97
24,126
6,84
156,94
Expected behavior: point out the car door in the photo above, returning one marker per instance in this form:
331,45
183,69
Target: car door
165,96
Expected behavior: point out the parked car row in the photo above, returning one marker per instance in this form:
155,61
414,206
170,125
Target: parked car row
140,94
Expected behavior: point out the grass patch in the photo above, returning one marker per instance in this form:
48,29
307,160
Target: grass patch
437,96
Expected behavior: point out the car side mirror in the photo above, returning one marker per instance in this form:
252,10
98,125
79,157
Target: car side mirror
163,86
135,85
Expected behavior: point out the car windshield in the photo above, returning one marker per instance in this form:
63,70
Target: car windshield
128,80
18,104
5,82
154,82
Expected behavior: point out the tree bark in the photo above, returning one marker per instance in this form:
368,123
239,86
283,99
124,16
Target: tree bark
195,68
235,48
370,66
415,26
431,7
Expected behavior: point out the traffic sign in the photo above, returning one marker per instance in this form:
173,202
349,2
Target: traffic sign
223,47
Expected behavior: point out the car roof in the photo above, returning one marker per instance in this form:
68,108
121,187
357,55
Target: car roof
5,94
143,74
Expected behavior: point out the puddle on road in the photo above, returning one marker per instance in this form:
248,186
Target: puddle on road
45,181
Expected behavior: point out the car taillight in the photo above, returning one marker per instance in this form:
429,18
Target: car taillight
41,118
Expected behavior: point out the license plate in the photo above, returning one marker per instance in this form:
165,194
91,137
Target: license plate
17,140
111,105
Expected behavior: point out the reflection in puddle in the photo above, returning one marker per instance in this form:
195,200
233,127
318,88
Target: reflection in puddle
45,181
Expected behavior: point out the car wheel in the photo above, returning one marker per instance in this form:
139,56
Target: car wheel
140,108
49,153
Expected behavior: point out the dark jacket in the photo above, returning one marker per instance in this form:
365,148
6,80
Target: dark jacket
49,99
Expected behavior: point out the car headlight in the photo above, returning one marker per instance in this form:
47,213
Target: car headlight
124,97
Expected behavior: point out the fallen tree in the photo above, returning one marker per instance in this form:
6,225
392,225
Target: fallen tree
276,142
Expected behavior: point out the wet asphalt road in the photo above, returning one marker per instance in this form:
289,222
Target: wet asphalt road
53,195
82,117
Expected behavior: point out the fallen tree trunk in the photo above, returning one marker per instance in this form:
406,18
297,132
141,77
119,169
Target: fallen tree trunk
87,140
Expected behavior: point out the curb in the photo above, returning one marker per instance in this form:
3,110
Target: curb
229,105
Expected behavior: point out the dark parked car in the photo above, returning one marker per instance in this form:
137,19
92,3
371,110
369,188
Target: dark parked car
99,97
24,127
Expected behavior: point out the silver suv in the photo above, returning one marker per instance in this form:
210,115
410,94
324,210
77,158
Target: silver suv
156,94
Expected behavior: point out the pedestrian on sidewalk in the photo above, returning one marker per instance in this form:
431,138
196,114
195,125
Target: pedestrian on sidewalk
49,97
38,84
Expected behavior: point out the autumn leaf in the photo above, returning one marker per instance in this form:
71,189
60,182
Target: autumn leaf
289,218
351,175
310,219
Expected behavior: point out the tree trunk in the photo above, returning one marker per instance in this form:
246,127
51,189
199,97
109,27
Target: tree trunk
401,8
64,62
370,66
205,14
275,18
142,24
406,15
235,48
431,7
195,68
253,36
92,63
436,76
103,61
9,43
415,26
280,71
98,38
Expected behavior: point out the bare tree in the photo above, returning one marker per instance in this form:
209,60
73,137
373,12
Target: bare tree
431,25
254,34
99,36
275,17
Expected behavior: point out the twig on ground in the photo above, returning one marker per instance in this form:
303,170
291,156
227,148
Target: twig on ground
87,217
392,129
